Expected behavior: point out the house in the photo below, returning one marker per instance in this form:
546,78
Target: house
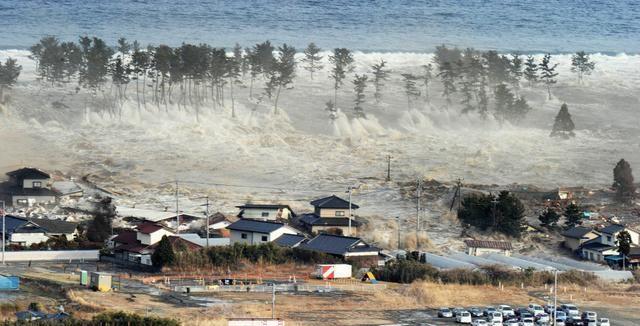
482,247
168,218
597,250
578,235
202,242
290,240
347,248
25,232
266,212
257,232
68,189
27,187
331,215
151,233
610,234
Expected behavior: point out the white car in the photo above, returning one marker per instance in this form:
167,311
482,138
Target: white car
570,310
560,315
604,322
511,322
527,322
535,309
506,311
445,313
463,317
480,322
495,316
590,315
543,317
560,322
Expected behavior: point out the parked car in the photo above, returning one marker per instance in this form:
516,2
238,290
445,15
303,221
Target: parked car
495,323
589,315
543,317
463,317
520,310
560,322
589,322
524,315
535,309
570,310
560,315
511,322
604,322
445,313
527,322
480,322
548,308
488,310
457,310
476,312
506,310
494,316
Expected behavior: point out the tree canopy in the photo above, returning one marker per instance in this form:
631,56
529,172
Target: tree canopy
563,125
623,180
503,213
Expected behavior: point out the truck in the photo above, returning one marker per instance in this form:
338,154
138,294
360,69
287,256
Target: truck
332,271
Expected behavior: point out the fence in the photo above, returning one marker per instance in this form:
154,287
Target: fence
291,287
52,255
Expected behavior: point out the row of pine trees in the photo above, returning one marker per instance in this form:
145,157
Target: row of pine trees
201,76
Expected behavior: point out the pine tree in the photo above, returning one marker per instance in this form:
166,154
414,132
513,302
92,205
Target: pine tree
531,70
572,215
427,76
549,218
503,100
164,255
342,61
359,85
515,72
624,242
9,73
623,181
284,71
447,76
548,72
582,65
380,75
519,110
563,125
410,88
312,59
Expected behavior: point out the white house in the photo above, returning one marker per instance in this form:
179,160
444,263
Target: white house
481,247
257,232
605,245
25,232
28,186
151,233
610,233
266,212
331,215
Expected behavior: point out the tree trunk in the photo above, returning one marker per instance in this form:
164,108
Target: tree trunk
275,102
233,105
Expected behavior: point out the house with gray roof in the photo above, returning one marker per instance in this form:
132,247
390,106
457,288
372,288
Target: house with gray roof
610,234
266,212
578,235
290,240
348,248
331,215
257,232
26,187
25,232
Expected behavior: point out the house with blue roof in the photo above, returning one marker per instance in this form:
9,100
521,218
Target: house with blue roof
347,248
25,232
331,215
255,232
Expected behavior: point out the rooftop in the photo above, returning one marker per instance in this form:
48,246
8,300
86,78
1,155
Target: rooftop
613,228
148,228
289,240
29,173
264,206
577,232
315,220
596,245
255,226
337,244
491,244
333,201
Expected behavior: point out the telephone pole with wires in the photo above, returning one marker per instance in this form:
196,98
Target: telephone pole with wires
177,210
350,191
388,168
207,217
418,191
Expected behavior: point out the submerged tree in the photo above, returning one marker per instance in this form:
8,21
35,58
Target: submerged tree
380,75
563,125
509,107
448,77
623,181
9,73
410,88
312,59
549,218
572,215
515,72
548,72
284,71
359,85
342,61
582,65
503,213
531,70
164,255
427,76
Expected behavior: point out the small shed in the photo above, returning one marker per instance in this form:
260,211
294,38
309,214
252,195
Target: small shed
100,281
482,247
84,278
9,282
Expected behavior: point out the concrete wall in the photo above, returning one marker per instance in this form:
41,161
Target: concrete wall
482,251
50,255
152,238
573,244
28,183
27,239
254,238
273,213
35,199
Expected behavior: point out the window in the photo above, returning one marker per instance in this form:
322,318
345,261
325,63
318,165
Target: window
243,236
37,184
264,238
608,238
22,202
339,213
265,214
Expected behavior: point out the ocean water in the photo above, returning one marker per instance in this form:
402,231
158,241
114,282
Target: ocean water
388,26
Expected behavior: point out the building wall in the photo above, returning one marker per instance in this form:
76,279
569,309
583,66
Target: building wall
27,239
51,255
35,199
611,239
345,229
574,244
28,183
274,213
483,251
331,212
254,238
152,238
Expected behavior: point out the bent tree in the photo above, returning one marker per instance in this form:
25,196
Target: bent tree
342,61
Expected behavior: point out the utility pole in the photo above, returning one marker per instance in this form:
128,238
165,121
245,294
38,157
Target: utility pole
207,213
273,300
459,193
418,189
398,220
388,168
3,229
495,202
177,210
350,190
555,296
